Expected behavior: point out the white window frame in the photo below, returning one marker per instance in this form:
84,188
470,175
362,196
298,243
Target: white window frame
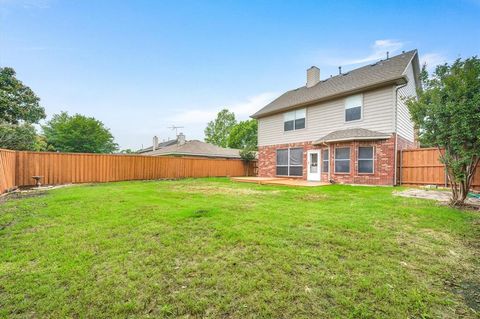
366,159
350,103
276,163
288,162
294,113
327,160
349,160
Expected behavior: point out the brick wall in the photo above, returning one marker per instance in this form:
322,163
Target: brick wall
267,158
384,161
404,144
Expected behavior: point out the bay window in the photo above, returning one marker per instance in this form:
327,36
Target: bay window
365,159
325,160
342,160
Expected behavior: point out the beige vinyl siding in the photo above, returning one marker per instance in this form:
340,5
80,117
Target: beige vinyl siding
404,124
329,116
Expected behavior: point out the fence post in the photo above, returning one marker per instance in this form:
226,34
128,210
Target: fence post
400,168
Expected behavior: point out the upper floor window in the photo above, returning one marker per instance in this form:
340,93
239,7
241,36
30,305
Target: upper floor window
353,107
294,120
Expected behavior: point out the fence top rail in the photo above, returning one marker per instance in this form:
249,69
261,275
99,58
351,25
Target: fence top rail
125,155
8,151
420,149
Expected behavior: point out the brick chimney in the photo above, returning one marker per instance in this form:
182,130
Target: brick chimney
181,139
155,143
313,76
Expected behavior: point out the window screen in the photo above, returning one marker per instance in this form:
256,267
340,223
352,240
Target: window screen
289,121
325,161
290,162
365,159
282,162
342,160
353,107
294,120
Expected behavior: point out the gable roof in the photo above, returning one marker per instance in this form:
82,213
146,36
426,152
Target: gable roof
196,148
381,73
353,134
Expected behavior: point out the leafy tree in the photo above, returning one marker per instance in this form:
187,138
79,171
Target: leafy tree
248,154
41,144
127,151
17,102
244,135
20,137
78,133
218,130
447,115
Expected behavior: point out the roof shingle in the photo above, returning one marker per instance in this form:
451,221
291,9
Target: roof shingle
370,76
353,134
196,148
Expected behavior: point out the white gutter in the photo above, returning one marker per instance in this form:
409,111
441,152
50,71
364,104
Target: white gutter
347,139
396,133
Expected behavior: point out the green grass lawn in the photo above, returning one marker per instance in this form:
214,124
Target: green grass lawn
213,248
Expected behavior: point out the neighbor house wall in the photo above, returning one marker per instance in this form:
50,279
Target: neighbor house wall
329,116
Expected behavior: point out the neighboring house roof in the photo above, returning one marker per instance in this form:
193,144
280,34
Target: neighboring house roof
160,145
353,134
196,148
381,73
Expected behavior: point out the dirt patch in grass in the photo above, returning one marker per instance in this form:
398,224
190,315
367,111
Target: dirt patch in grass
313,197
214,190
21,195
440,196
470,291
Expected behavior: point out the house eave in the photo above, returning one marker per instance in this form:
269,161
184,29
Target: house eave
395,81
349,139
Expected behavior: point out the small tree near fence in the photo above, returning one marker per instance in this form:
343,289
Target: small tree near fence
447,115
248,155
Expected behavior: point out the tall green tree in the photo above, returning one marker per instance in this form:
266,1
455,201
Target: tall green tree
447,116
19,108
218,130
244,135
79,134
18,103
20,137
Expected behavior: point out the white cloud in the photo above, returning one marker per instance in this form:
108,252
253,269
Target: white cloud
378,51
246,108
432,60
241,109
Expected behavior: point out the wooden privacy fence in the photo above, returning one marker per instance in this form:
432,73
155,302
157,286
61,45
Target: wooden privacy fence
62,168
422,167
7,170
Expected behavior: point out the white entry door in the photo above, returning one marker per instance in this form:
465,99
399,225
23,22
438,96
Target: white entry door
313,165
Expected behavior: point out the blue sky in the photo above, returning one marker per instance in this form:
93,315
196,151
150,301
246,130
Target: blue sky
142,66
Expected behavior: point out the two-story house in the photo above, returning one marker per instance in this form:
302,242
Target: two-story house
347,128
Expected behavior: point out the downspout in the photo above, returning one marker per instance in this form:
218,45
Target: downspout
396,133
